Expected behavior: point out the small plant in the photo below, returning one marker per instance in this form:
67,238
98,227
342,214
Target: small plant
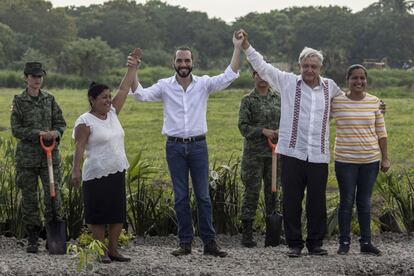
225,196
397,190
332,215
72,201
149,202
87,255
85,237
10,207
125,238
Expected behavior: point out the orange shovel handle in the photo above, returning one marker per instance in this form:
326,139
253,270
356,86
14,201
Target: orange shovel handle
48,150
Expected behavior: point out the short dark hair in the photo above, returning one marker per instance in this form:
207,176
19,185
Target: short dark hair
95,89
183,48
354,67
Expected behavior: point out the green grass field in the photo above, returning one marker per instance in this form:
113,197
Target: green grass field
143,121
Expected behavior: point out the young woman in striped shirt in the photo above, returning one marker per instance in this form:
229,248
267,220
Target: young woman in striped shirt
360,151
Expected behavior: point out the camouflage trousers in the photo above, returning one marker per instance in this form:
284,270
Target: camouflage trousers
27,181
254,171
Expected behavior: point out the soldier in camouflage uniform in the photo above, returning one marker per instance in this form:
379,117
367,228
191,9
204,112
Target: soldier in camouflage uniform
35,113
258,120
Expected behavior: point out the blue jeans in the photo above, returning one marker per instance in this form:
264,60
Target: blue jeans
185,158
359,180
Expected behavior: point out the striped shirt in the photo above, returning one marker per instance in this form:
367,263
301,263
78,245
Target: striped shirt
359,126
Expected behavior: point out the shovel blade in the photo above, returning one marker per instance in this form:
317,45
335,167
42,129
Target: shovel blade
56,237
273,229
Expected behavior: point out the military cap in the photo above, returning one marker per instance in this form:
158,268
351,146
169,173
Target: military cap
34,68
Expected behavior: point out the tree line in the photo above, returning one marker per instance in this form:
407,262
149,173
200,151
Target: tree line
90,40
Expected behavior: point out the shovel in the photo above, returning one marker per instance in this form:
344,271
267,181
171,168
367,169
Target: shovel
56,228
274,220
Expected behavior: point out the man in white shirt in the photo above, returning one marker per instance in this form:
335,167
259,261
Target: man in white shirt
185,96
303,144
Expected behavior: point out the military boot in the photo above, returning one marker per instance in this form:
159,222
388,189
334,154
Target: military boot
247,237
32,232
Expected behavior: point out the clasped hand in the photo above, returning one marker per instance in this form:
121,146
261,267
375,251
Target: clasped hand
49,135
134,58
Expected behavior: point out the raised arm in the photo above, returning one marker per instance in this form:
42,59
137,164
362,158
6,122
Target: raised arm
235,59
275,77
135,81
134,60
222,81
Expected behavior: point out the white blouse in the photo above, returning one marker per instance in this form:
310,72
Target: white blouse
105,151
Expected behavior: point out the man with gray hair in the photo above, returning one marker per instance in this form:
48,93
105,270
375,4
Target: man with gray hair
303,144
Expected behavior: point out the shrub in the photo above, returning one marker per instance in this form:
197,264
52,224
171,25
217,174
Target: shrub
72,200
397,191
10,207
150,208
225,196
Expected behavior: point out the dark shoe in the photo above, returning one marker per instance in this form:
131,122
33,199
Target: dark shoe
247,238
214,250
32,247
32,232
343,249
294,252
368,248
119,258
183,249
319,251
104,259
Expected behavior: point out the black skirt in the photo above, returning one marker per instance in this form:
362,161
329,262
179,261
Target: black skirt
104,199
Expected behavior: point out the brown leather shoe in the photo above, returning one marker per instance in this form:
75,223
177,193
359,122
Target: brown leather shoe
183,249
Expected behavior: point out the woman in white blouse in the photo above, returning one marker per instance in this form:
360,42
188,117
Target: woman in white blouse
100,134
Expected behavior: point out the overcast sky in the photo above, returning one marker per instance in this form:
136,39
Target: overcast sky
228,10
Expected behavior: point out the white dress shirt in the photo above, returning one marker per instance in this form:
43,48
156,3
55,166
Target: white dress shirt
304,121
185,111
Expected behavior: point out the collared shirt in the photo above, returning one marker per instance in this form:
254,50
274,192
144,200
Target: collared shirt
185,111
304,122
256,113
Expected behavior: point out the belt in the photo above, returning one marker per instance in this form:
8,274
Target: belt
186,140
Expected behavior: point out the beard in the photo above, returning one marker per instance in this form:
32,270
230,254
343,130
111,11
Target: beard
183,74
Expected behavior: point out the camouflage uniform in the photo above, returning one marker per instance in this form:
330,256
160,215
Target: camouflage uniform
257,112
29,116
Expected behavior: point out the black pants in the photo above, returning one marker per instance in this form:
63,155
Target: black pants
296,175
